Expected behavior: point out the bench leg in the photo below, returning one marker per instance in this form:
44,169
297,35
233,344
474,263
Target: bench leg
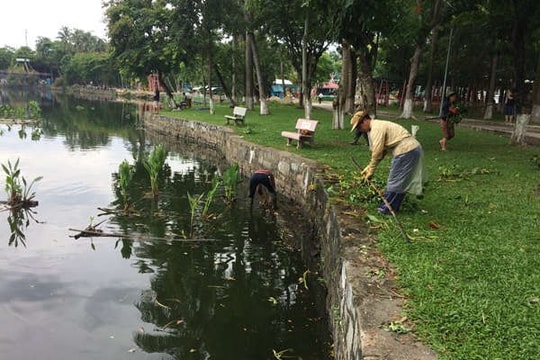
289,141
299,144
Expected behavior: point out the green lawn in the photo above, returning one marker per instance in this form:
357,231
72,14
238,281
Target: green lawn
472,272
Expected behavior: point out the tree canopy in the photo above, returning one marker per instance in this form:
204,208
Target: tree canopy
205,42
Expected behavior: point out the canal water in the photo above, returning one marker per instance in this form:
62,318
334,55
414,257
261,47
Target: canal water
162,284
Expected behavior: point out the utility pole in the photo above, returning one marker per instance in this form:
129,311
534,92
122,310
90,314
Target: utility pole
446,70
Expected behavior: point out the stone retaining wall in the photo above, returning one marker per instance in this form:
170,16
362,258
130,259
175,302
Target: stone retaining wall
361,296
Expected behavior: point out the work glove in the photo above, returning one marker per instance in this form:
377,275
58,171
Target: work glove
367,173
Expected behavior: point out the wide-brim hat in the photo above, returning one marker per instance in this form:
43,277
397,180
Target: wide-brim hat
450,93
357,117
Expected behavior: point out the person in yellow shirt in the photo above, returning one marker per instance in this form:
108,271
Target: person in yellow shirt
407,170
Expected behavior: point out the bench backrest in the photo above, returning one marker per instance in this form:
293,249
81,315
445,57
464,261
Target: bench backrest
306,124
239,111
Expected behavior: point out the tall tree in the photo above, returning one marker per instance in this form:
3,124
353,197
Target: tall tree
429,82
535,112
525,16
490,100
249,88
428,15
485,28
344,102
304,30
253,60
141,40
51,55
263,94
7,56
360,28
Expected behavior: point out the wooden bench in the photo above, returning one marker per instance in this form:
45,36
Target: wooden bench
305,132
238,116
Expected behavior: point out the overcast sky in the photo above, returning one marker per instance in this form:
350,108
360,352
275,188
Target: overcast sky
23,21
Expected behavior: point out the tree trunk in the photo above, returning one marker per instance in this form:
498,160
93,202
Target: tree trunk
305,98
428,105
224,86
488,113
518,42
249,75
365,78
168,91
282,77
340,102
337,113
348,78
518,135
535,113
346,73
351,96
234,69
260,80
409,93
210,92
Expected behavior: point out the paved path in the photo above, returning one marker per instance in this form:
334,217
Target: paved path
532,135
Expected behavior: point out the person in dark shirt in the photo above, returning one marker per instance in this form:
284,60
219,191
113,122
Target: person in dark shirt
263,177
449,111
509,107
156,100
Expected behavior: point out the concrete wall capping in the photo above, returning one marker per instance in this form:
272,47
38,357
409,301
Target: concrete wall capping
360,299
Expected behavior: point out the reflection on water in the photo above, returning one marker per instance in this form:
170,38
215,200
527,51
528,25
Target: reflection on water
236,292
18,220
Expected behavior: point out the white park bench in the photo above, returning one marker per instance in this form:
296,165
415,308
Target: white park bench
305,133
238,116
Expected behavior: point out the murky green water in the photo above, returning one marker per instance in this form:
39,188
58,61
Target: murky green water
146,294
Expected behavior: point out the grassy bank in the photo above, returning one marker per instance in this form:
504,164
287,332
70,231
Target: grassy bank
472,272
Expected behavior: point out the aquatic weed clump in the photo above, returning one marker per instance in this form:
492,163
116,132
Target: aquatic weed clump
153,165
20,194
19,202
